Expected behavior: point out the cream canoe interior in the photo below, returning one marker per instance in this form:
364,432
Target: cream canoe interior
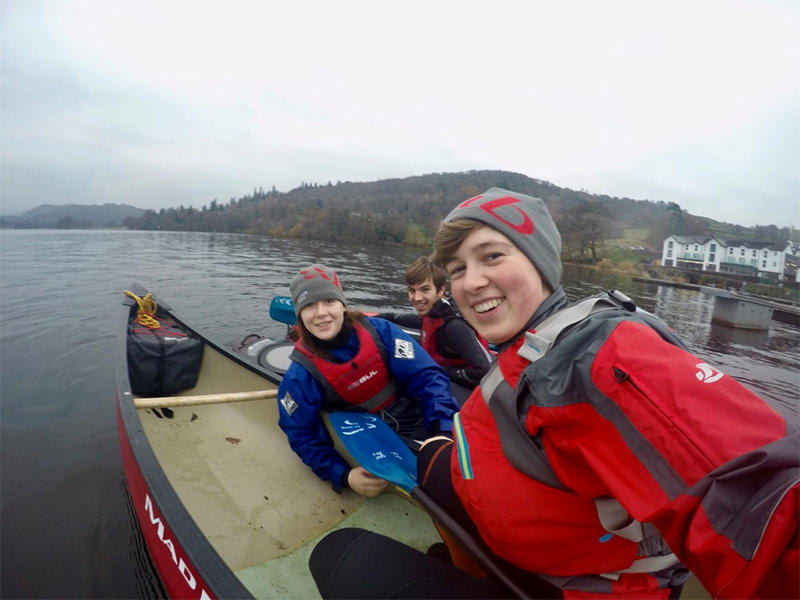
259,506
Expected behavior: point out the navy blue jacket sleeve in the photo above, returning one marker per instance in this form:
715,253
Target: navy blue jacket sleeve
418,375
458,337
407,319
299,404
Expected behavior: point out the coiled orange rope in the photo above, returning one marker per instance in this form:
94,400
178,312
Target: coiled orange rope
147,310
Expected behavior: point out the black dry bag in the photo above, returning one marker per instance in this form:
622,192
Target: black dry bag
162,361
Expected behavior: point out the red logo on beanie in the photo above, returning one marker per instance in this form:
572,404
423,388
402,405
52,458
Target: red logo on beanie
490,206
309,274
466,203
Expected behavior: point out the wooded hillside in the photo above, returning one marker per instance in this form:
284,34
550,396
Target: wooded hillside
407,212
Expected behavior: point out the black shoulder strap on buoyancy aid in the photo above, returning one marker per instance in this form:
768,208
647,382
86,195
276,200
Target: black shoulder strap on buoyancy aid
302,359
527,454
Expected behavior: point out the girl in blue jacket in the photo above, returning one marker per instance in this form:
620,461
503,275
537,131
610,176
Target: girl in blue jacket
345,361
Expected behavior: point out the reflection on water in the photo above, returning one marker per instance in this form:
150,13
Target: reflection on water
59,293
722,336
687,308
768,362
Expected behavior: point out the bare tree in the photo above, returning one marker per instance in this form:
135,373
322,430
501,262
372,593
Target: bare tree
584,225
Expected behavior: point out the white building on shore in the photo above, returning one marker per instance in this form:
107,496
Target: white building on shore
767,260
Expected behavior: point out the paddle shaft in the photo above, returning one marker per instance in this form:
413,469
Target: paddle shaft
373,445
176,401
474,547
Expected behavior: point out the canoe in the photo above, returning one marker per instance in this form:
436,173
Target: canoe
226,509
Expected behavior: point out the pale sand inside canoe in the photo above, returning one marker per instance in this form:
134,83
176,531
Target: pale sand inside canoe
260,507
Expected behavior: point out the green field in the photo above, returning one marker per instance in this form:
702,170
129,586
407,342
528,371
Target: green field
634,236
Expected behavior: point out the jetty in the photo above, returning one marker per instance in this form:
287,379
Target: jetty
739,309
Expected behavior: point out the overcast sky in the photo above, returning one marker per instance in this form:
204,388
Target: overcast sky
162,104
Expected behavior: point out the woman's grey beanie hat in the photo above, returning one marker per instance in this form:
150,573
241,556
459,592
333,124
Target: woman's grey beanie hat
525,221
313,283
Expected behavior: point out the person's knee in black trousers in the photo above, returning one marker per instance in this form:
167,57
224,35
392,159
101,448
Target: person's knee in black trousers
355,563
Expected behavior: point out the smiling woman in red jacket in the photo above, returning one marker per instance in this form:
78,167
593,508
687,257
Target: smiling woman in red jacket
598,453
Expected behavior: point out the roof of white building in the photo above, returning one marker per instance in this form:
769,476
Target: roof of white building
756,245
752,244
692,239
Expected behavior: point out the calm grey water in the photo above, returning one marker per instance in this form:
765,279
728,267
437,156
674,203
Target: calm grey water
66,530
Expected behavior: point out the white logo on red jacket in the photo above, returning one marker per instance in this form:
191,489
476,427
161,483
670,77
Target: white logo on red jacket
707,373
361,380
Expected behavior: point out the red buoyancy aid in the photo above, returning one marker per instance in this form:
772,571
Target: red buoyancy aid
428,336
503,475
543,529
363,381
431,329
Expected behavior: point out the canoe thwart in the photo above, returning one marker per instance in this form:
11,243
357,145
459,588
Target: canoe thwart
176,401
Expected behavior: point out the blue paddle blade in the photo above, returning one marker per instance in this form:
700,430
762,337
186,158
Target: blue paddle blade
281,310
377,448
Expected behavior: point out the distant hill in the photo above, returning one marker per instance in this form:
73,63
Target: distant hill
73,216
407,211
402,211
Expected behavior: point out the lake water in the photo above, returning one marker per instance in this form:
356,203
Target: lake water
66,526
